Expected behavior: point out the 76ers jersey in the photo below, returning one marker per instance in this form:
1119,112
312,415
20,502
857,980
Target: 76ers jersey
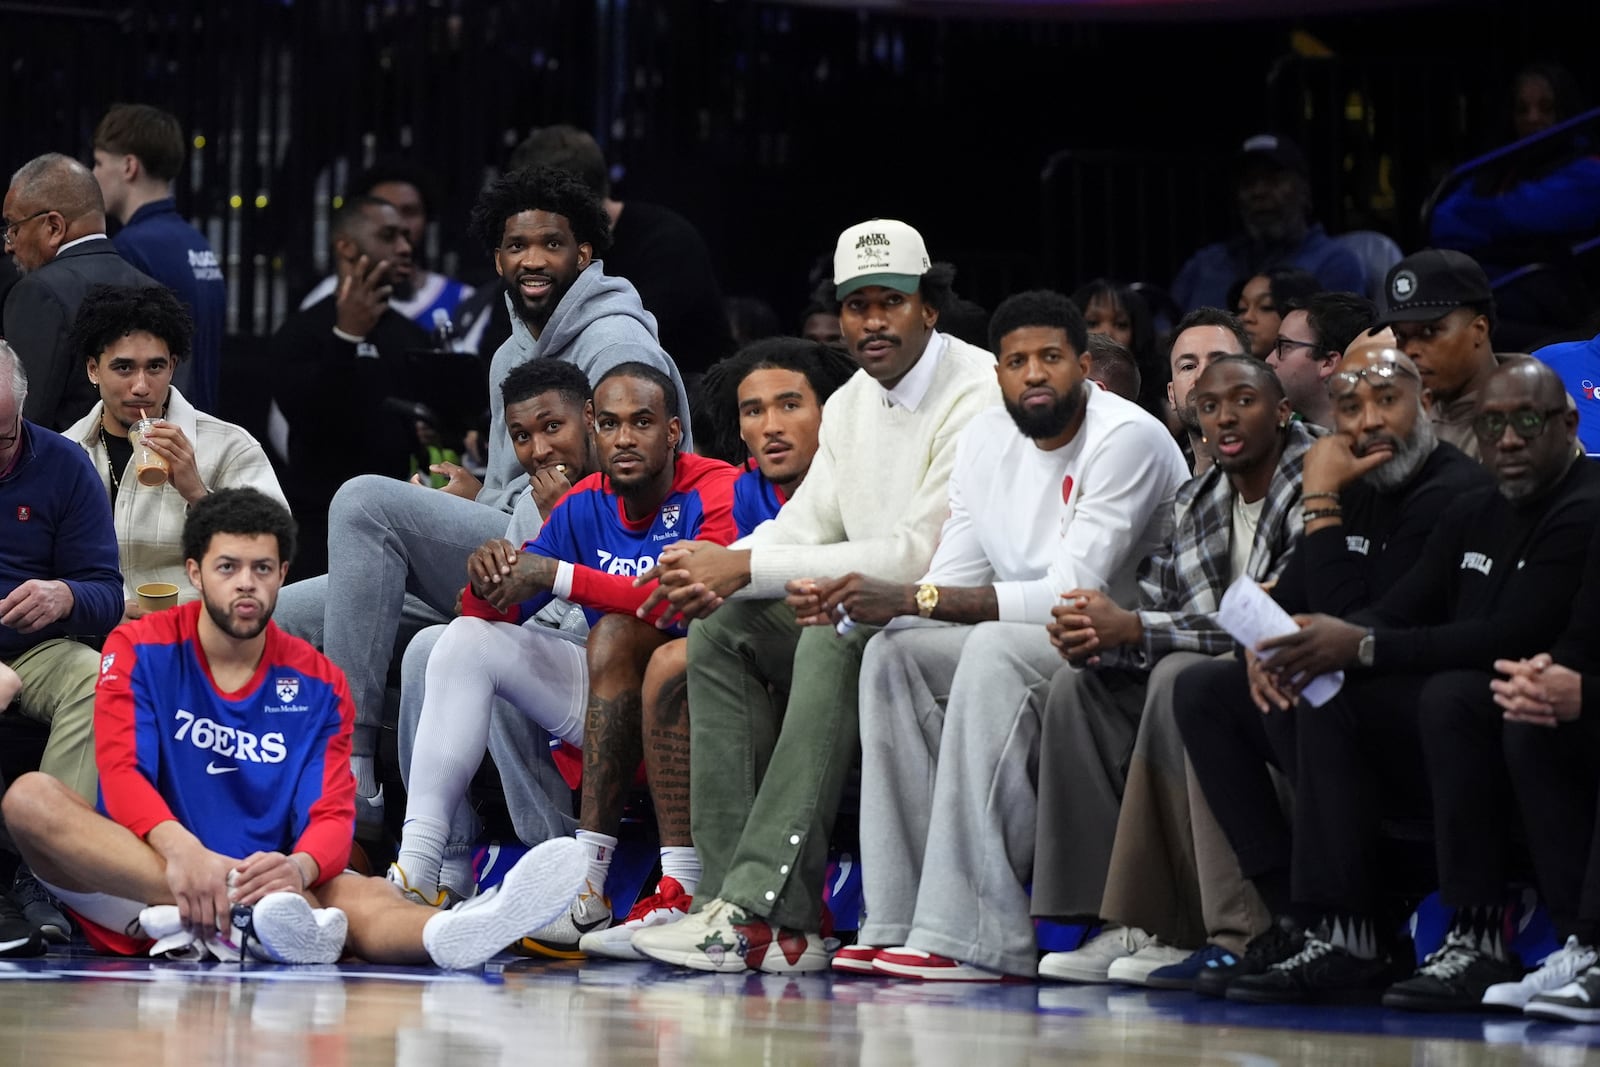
263,769
588,528
755,500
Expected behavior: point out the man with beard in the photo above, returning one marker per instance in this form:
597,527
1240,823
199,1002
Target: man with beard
762,832
1201,337
226,808
1374,491
1495,579
1115,842
1272,192
339,360
397,551
410,189
602,534
1069,486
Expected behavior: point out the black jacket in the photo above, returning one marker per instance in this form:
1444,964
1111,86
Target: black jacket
39,313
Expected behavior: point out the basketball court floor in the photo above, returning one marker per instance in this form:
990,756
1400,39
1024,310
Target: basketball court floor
74,1009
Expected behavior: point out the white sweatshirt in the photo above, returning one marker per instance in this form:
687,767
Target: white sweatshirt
1036,524
876,493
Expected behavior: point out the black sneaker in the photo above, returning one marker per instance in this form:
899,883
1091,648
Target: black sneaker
17,935
1576,1002
1453,978
1318,972
1280,941
39,907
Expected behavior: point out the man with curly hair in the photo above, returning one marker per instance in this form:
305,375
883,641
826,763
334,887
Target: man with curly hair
398,552
133,340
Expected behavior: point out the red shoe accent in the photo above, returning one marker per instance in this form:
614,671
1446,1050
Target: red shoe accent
669,896
930,967
757,936
856,959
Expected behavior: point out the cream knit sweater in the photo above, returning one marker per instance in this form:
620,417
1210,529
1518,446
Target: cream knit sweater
876,494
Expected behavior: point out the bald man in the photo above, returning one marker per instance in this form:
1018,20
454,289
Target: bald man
55,232
1414,730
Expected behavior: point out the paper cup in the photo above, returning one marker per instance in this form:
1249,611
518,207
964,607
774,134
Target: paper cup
157,596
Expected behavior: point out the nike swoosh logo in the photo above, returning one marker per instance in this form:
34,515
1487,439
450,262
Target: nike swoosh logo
212,768
590,927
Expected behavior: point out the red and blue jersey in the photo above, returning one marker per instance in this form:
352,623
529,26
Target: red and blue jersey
262,769
589,529
755,500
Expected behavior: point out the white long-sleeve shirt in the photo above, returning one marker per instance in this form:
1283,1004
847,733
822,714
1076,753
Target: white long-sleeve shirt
876,492
1036,523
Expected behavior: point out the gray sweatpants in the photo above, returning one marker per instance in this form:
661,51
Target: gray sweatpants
950,752
394,549
537,797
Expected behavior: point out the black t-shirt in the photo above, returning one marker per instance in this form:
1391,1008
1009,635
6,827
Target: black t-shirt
665,258
120,449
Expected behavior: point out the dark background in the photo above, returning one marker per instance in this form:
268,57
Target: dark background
773,126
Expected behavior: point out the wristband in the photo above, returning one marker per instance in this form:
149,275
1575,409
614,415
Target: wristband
1315,496
1312,514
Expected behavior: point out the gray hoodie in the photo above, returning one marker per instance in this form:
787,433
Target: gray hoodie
598,324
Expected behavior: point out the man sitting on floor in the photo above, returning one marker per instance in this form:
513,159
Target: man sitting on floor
225,789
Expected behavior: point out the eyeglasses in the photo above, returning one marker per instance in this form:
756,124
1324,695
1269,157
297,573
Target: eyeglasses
1283,344
16,432
12,227
1528,423
1378,374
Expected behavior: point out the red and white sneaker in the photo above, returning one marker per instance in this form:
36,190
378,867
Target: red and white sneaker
667,904
930,967
857,959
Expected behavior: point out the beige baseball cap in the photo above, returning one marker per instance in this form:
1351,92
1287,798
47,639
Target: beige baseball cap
883,252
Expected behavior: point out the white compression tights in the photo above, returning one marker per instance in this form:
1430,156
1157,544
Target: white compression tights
540,673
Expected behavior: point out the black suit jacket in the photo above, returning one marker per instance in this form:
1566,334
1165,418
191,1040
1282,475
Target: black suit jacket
39,312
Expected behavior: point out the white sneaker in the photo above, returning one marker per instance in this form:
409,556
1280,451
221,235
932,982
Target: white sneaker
438,897
1135,969
1092,961
1554,971
668,904
539,888
175,941
285,928
559,938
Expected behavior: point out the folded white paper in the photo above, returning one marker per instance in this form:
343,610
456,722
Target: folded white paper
1251,616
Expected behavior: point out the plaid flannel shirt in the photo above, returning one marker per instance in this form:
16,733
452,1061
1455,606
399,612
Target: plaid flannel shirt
1182,587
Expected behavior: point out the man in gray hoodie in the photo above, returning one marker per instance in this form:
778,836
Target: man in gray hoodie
397,551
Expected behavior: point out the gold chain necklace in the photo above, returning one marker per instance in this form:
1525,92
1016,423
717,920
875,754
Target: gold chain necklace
111,466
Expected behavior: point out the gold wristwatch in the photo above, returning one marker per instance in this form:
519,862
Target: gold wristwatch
927,599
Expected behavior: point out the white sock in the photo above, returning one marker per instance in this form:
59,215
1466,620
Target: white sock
683,863
455,872
366,772
422,842
599,848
